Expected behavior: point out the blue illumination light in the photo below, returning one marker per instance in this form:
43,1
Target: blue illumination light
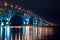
35,21
2,24
7,22
24,23
1,31
7,19
27,32
7,32
27,20
40,23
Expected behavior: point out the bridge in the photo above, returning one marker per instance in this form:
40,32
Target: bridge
7,11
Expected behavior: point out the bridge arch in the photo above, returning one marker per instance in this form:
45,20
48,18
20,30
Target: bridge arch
16,20
12,9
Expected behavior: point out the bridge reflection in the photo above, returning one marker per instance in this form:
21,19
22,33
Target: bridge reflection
27,33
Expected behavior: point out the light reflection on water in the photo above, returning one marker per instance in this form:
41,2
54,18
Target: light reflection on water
30,33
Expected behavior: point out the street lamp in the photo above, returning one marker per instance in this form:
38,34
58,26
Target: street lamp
11,6
5,4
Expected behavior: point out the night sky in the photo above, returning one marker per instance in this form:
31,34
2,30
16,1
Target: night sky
47,9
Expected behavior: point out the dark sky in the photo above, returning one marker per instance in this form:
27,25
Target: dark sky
48,9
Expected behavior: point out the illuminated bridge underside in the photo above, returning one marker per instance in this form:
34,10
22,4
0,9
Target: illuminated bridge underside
8,11
7,14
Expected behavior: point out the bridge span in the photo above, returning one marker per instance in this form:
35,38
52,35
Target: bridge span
38,25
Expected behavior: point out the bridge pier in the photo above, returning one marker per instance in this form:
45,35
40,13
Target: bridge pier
34,35
26,27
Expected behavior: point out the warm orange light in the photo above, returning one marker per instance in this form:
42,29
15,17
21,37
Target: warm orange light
28,11
11,6
16,6
34,17
5,4
22,10
19,8
25,11
24,14
1,9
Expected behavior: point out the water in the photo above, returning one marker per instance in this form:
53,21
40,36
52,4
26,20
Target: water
29,33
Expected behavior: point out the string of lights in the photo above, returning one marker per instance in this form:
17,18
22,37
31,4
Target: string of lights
20,9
